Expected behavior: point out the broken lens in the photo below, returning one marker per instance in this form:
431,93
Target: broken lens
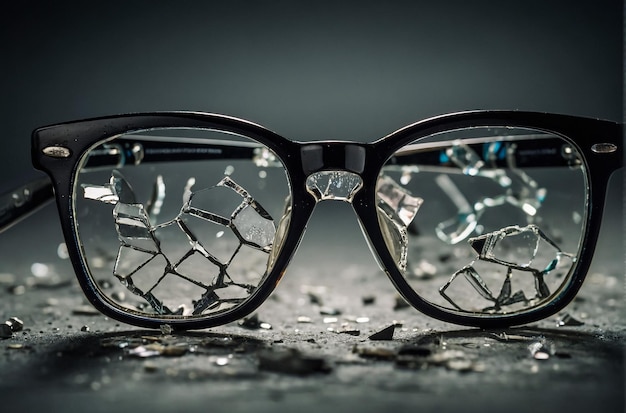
484,220
179,222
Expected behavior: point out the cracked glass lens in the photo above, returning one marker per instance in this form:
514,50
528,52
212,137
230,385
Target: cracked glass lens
184,220
484,220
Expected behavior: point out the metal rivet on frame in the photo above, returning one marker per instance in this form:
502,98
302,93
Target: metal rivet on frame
603,148
57,152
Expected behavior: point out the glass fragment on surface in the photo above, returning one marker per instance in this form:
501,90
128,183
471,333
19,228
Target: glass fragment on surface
253,322
181,267
5,330
384,334
515,248
541,350
569,321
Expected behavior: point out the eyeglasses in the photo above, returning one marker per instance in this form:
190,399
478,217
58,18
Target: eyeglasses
485,219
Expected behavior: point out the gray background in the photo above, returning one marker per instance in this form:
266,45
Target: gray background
350,70
307,70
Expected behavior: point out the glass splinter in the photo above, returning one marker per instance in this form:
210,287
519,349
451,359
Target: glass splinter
458,228
397,209
143,264
384,334
501,247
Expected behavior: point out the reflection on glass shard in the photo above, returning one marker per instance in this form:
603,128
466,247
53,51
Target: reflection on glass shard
62,251
396,210
263,158
456,229
465,158
16,324
132,222
520,190
280,234
100,193
156,201
398,199
122,188
253,228
168,278
515,248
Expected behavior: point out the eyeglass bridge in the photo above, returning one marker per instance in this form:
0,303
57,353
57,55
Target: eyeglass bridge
333,170
335,185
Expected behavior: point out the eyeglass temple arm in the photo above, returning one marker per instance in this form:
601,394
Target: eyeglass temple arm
532,151
26,199
23,201
125,151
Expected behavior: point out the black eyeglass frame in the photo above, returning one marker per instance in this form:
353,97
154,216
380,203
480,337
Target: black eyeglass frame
58,149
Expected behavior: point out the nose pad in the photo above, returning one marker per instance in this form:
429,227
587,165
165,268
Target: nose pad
337,185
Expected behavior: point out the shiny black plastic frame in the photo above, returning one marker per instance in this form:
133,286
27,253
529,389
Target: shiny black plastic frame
57,150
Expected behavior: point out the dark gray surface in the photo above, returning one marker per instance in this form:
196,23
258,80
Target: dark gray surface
62,368
352,71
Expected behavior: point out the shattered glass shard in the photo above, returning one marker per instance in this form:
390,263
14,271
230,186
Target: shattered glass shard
384,334
465,158
396,210
132,222
477,282
458,228
254,229
117,190
131,259
495,245
100,193
208,300
520,190
517,249
122,188
398,199
214,204
155,203
395,235
168,264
